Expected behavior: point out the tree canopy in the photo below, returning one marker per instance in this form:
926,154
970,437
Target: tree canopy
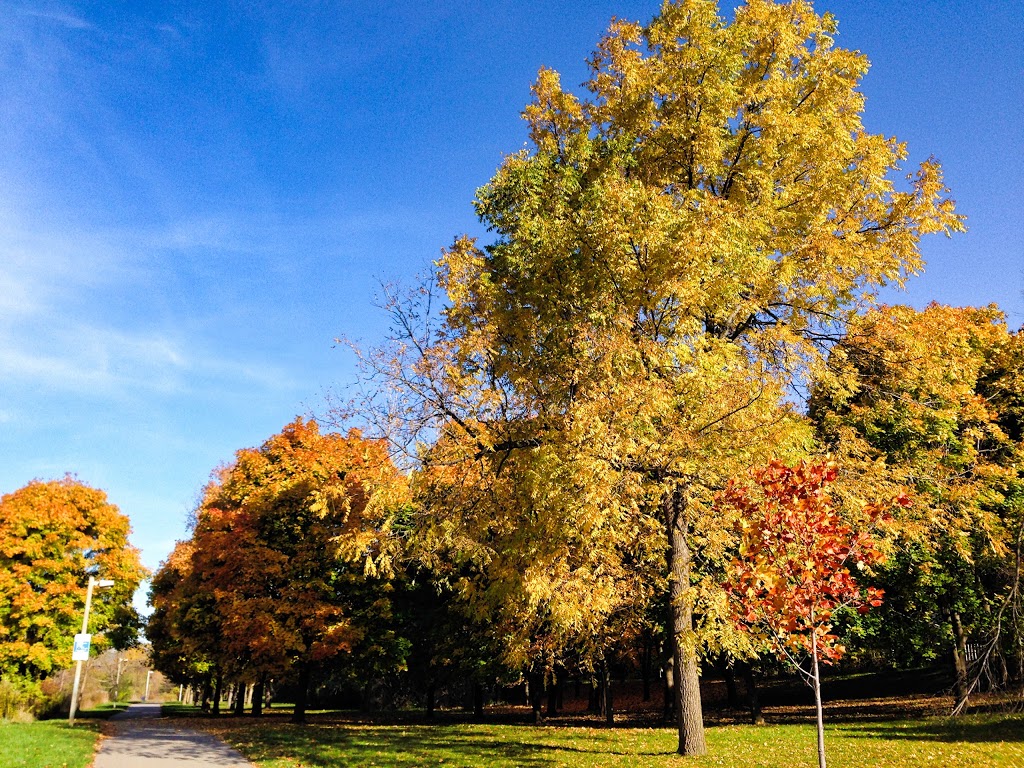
929,400
675,249
54,535
281,570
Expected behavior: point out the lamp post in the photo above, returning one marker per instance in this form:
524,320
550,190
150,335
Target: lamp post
93,582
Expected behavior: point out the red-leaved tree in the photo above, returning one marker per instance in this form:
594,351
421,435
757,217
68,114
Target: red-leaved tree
794,568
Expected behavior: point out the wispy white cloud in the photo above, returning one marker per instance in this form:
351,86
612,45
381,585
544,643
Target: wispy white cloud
269,233
57,332
60,17
105,362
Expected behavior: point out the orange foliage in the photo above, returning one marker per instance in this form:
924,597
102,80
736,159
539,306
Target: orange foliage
53,536
793,572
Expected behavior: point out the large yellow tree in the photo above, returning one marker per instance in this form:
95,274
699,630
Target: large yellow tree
673,251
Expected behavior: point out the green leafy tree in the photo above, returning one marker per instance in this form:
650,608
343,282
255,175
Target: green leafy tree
930,400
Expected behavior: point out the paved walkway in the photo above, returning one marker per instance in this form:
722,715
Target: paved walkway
142,739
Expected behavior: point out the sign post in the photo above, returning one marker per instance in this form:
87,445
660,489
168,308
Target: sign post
83,642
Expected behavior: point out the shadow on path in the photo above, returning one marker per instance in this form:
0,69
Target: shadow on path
142,739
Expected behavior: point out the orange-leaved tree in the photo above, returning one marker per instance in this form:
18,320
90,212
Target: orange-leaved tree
293,543
183,628
54,535
793,571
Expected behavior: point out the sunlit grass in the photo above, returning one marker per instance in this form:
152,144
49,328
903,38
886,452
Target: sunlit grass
47,744
972,742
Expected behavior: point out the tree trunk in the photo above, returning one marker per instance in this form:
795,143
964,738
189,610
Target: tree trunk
645,666
218,691
430,699
669,703
478,701
959,662
299,715
1002,668
753,700
553,698
240,698
816,676
606,701
257,697
689,717
536,682
207,693
731,692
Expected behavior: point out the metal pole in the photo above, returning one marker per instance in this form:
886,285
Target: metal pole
78,664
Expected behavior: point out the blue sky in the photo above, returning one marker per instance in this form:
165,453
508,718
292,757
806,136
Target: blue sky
197,198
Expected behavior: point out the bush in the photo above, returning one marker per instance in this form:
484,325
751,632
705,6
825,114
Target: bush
20,700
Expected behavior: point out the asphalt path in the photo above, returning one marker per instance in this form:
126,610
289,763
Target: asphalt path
143,739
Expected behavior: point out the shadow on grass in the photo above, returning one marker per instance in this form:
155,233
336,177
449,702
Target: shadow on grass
970,728
343,745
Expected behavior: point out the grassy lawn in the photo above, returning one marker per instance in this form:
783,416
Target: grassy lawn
971,742
47,744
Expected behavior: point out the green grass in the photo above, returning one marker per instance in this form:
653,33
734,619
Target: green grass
972,742
47,744
104,710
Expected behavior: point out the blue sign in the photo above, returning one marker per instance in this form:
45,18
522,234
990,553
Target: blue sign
82,645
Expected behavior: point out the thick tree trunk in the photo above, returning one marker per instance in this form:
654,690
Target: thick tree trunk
753,700
689,717
240,698
302,692
257,698
430,699
960,688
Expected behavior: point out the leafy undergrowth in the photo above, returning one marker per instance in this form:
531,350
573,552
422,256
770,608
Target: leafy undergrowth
47,744
972,742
